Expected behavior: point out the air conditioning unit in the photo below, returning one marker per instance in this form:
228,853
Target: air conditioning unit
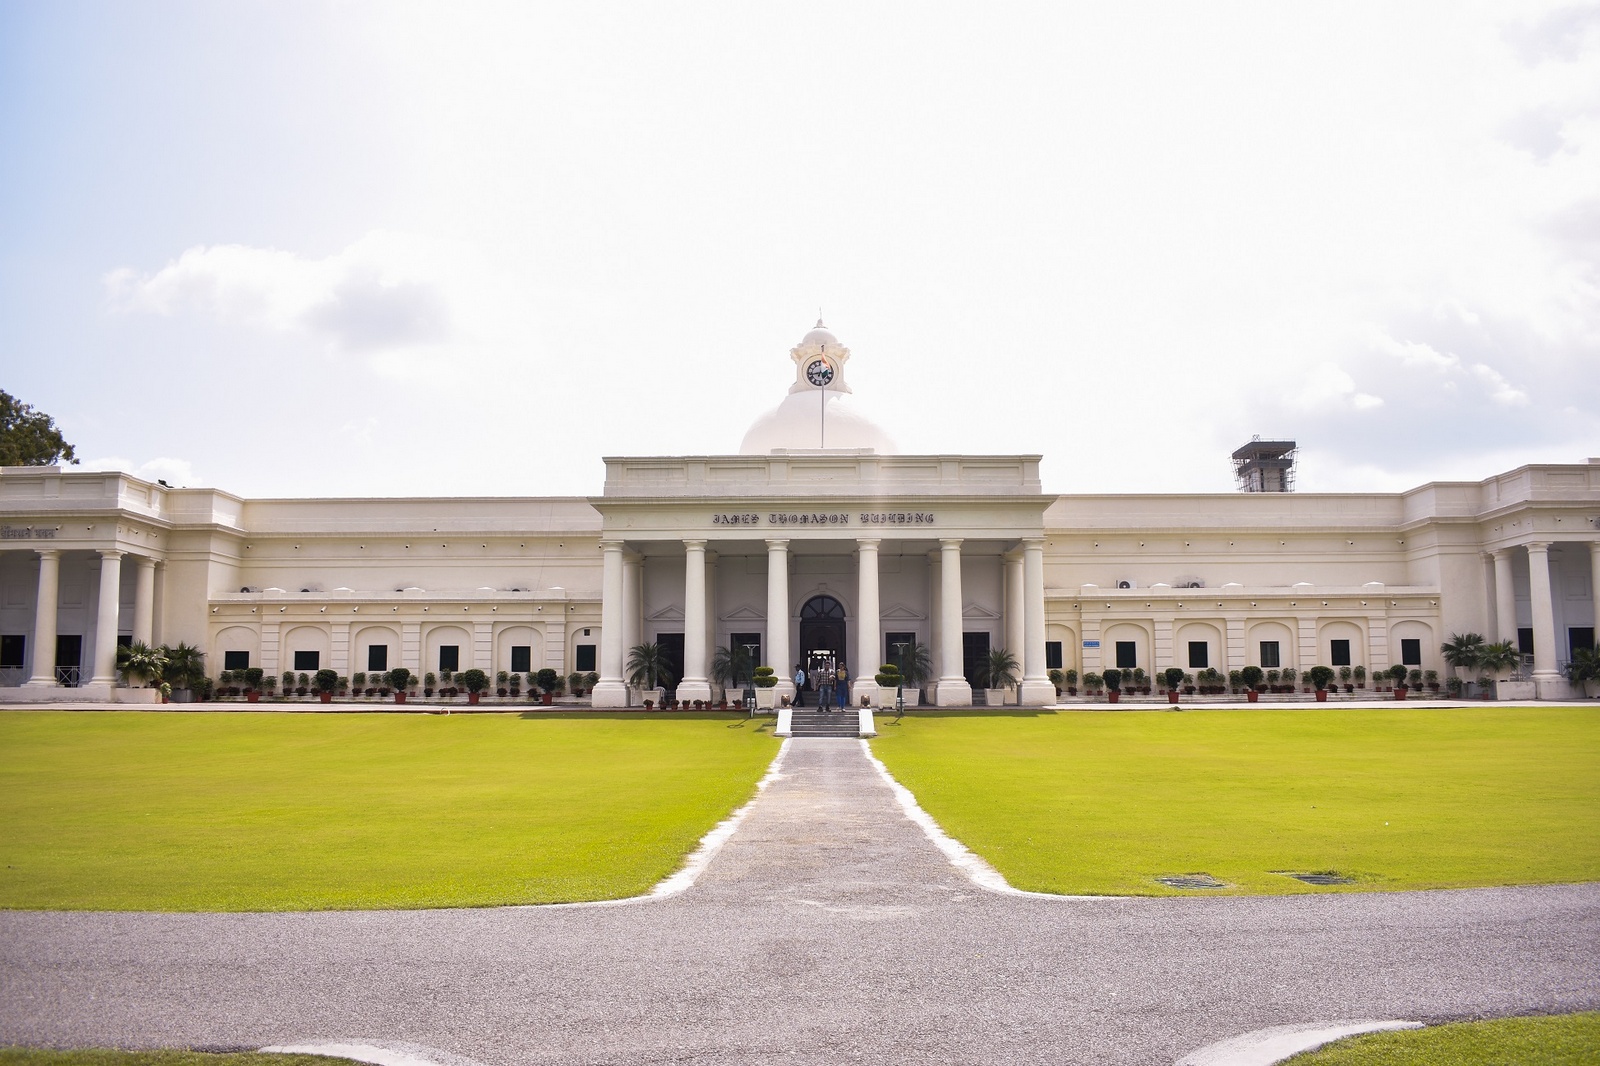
1125,583
1191,584
251,588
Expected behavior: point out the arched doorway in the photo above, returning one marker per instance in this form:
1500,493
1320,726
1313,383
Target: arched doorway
822,632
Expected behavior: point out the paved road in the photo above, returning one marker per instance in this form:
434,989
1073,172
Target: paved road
828,929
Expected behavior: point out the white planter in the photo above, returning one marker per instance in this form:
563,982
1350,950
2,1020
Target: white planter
913,697
994,697
886,696
766,698
138,695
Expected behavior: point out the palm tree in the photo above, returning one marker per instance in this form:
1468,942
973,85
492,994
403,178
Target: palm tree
140,662
647,666
729,666
1462,650
186,665
999,670
915,663
1499,658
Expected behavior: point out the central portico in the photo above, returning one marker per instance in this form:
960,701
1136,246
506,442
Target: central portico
732,550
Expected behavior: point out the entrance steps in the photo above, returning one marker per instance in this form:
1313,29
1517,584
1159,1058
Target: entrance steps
810,722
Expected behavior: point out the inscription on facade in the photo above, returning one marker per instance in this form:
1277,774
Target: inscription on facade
26,533
827,518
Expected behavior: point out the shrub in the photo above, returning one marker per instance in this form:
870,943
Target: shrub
765,677
1251,676
1321,677
1113,679
1173,677
326,680
888,676
399,678
475,680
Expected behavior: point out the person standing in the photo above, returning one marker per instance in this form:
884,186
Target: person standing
799,685
841,685
824,688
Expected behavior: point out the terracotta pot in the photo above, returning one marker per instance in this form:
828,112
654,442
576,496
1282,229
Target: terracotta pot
326,697
1400,692
1322,695
472,697
399,697
1253,696
1113,696
253,697
546,698
1172,697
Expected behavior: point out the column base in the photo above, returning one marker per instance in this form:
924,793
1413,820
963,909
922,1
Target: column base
609,694
952,692
1036,692
689,691
39,682
782,689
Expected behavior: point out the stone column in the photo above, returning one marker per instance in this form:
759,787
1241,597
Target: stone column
1036,690
1505,597
1545,652
44,619
935,620
952,689
105,630
694,685
611,690
712,609
632,605
1015,623
144,600
869,631
778,619
1594,587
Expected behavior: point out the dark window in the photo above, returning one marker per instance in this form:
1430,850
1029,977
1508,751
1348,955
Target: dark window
1410,652
1579,637
892,645
450,657
308,660
378,657
1339,652
236,660
751,642
1127,655
1052,655
13,647
672,653
584,659
1270,659
124,640
974,657
521,658
1199,654
1525,641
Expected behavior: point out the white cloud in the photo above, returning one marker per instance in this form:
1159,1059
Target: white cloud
177,473
375,296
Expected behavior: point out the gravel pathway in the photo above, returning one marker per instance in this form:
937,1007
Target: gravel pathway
828,928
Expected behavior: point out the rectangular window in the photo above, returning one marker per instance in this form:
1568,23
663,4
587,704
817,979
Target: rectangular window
1525,641
1052,655
1270,659
450,657
1339,652
1578,638
521,658
236,660
583,660
892,646
1410,652
1199,654
377,657
308,661
751,644
124,640
13,648
1127,655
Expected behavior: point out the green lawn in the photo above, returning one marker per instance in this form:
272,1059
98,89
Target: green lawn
1084,802
243,811
1563,1040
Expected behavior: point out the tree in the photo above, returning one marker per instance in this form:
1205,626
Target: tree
29,437
730,665
999,670
1499,658
1462,650
647,666
140,662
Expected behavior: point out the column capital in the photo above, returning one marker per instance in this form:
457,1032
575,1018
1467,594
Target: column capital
147,562
111,553
611,545
868,542
694,544
946,543
48,553
777,543
1032,542
1538,545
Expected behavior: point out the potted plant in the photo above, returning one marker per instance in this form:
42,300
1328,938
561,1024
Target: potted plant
359,680
575,682
1272,680
325,682
729,668
1584,669
1113,682
1093,683
1235,682
1290,675
399,679
1453,686
1251,676
516,685
1499,661
224,682
501,682
590,680
430,681
997,673
1462,651
344,686
915,664
1345,674
186,667
888,679
1140,681
474,681
447,683
288,683
1360,675
1173,677
1072,682
766,683
302,685
549,684
647,669
252,684
1431,678
139,662
1397,673
1059,680
1321,678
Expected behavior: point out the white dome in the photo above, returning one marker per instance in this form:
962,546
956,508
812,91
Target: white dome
796,424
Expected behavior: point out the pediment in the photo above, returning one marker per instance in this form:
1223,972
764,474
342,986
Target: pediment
666,614
972,610
747,613
901,613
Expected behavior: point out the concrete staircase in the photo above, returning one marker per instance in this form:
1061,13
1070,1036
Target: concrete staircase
810,722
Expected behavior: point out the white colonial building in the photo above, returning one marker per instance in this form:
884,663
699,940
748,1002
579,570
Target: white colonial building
816,538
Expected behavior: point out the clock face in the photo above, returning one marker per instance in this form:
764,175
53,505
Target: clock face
819,372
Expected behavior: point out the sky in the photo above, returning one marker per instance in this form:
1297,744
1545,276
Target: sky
469,248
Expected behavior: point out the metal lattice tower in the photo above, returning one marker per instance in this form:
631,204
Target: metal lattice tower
1265,466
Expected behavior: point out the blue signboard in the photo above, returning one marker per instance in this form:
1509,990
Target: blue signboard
1091,644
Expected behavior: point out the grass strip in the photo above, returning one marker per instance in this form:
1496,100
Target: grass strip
1104,803
239,811
1560,1040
